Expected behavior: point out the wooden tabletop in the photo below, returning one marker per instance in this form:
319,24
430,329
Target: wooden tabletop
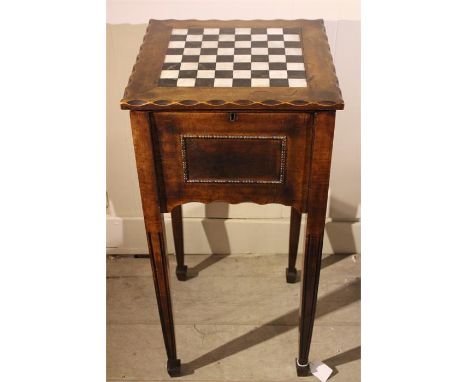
204,65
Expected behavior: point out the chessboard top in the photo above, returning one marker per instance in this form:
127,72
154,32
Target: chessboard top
236,64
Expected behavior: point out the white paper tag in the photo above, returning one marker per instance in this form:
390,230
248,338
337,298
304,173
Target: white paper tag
320,370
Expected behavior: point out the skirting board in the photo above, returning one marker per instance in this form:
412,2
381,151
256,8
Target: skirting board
126,236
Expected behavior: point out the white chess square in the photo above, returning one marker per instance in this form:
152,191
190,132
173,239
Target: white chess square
191,52
277,58
225,51
275,30
242,58
226,37
189,66
210,31
173,58
186,82
242,74
243,30
275,44
260,66
176,44
259,37
207,58
297,83
209,44
278,74
242,44
260,51
206,74
293,51
169,74
222,82
295,66
291,37
224,66
194,37
260,82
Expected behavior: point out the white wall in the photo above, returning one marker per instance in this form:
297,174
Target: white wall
139,11
204,233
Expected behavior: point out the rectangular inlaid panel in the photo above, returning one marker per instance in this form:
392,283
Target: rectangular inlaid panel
234,57
233,158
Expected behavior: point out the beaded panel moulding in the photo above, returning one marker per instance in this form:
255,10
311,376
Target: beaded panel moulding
282,170
234,57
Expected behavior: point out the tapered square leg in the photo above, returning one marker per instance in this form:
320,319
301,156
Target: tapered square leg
294,230
316,214
177,228
155,232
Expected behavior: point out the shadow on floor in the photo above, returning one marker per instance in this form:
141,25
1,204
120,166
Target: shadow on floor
205,263
213,259
332,259
327,304
214,225
342,358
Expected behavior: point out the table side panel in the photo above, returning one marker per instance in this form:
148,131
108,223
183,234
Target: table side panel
258,157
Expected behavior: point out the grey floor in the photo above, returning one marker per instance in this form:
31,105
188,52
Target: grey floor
236,320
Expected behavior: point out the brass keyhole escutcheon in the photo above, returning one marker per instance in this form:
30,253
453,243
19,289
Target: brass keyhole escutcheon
232,117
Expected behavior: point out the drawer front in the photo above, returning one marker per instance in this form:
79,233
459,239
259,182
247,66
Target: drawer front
257,157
